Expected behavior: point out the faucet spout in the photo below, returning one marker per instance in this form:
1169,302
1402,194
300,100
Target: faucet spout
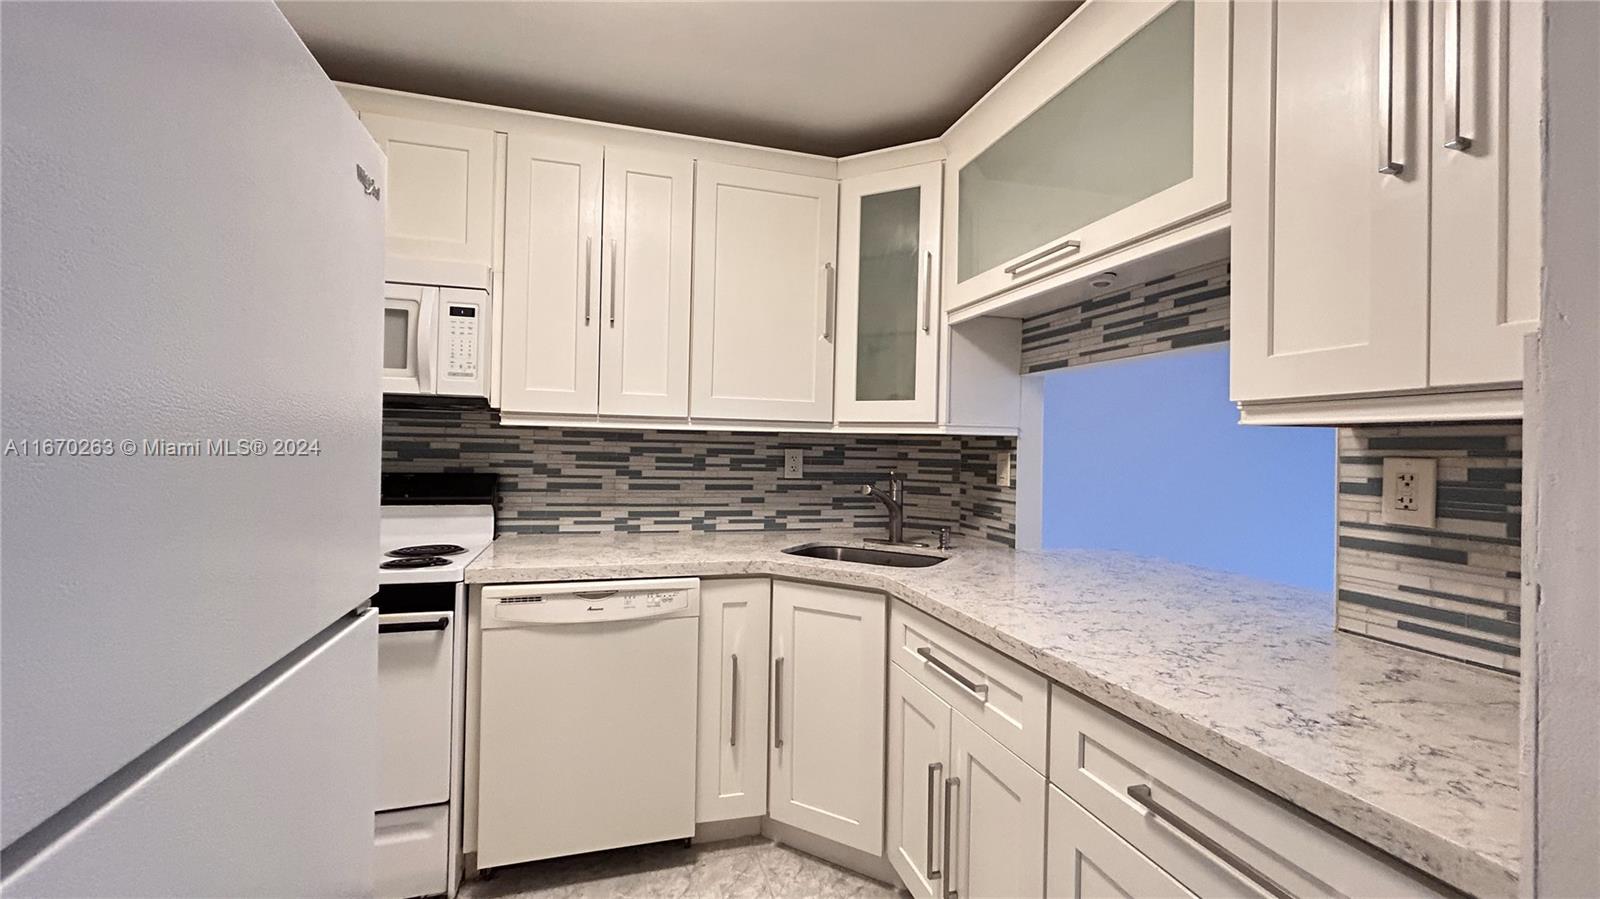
894,501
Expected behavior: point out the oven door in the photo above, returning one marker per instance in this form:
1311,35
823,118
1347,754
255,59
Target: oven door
415,661
408,337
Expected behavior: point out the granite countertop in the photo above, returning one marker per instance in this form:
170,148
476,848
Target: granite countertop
1413,754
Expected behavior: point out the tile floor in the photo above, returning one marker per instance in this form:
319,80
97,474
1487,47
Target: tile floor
749,867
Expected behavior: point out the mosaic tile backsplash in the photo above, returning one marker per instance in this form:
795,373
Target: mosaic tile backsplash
575,480
1187,309
1453,589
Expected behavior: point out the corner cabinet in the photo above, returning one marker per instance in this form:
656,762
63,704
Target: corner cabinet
826,747
889,316
1385,235
1113,130
764,295
966,814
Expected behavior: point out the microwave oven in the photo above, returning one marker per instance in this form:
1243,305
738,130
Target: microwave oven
436,329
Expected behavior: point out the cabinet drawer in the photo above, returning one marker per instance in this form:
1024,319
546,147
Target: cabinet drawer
1086,858
411,852
1006,700
1095,757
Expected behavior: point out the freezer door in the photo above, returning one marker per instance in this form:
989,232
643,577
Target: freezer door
199,261
271,796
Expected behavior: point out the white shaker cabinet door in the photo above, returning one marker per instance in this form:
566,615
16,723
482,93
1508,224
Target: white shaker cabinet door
919,759
439,199
1330,199
648,225
551,315
826,747
735,624
1485,145
1087,860
997,833
764,295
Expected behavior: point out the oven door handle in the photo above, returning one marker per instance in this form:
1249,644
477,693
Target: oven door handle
406,627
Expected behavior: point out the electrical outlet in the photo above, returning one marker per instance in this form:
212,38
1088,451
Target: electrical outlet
1410,488
794,463
1003,470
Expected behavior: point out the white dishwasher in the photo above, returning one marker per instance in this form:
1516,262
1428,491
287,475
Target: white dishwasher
586,717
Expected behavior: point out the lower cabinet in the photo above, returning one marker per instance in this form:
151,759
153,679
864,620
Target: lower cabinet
735,624
919,760
966,815
997,832
1205,829
1088,860
825,754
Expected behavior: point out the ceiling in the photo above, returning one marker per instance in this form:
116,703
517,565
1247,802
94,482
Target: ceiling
834,77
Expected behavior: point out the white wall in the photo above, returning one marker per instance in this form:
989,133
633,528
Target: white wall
1561,730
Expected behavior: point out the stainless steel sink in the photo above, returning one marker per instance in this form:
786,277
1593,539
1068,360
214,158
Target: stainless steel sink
840,553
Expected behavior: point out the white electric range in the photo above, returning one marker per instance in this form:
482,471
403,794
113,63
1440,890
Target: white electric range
431,527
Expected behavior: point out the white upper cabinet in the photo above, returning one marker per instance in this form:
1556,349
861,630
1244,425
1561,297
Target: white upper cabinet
735,623
1330,208
439,199
1114,129
1384,234
764,295
551,315
1485,144
888,316
648,225
828,669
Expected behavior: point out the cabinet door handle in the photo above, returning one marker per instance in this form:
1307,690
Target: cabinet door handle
952,789
733,706
1453,138
1140,793
613,283
777,703
827,306
935,770
588,275
1386,161
927,296
981,691
1064,248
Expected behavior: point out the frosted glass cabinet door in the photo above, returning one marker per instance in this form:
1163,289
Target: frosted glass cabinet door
1115,129
889,295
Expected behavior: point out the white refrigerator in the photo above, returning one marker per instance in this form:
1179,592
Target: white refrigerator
190,410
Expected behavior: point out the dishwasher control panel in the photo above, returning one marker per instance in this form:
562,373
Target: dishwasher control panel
589,602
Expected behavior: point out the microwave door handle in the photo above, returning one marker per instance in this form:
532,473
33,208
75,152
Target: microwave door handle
427,339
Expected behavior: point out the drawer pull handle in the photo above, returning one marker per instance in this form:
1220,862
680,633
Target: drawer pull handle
406,627
1065,247
935,770
951,787
1140,793
981,691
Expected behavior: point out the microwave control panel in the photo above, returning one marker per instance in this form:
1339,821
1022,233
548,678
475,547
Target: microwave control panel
461,340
